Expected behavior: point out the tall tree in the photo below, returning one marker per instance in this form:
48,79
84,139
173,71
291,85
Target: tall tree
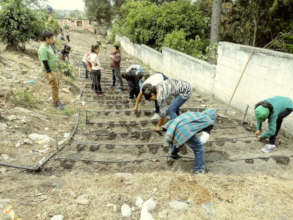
216,19
99,10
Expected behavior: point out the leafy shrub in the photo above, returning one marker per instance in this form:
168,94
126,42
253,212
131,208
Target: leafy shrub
19,24
178,40
147,23
65,68
24,98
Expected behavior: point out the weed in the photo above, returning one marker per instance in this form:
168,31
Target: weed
24,98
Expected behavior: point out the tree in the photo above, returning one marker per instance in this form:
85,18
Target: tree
257,22
148,23
99,10
216,19
19,24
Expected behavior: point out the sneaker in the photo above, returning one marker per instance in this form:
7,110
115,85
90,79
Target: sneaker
112,87
156,116
100,94
204,137
175,156
268,148
201,171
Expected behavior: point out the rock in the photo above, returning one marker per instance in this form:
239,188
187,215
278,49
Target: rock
11,117
3,170
66,135
112,205
83,200
22,110
4,202
147,207
139,202
5,156
28,141
145,215
125,210
40,139
3,126
163,214
178,205
57,217
66,90
149,204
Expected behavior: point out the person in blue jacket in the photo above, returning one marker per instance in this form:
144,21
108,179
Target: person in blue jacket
184,129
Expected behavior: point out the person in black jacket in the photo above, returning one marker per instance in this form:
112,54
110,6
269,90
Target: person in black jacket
133,75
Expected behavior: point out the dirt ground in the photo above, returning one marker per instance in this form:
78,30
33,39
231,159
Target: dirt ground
242,183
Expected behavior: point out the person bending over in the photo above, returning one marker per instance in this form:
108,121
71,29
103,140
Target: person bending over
274,109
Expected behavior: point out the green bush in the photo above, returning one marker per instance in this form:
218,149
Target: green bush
24,98
147,23
19,24
66,69
178,40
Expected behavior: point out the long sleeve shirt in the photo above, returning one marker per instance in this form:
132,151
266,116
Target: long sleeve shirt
115,60
279,104
171,87
182,128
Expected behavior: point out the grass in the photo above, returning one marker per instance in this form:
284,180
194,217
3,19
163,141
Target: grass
24,98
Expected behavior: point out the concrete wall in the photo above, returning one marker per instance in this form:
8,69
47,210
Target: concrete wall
199,73
269,73
174,64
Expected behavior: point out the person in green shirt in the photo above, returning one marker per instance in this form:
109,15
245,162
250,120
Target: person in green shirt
274,109
49,63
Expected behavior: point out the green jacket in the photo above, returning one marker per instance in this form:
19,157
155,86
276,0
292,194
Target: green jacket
279,104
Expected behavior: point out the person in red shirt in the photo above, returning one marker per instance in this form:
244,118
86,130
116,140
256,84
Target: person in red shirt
115,65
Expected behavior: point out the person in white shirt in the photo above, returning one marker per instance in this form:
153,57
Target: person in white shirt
85,63
154,80
95,70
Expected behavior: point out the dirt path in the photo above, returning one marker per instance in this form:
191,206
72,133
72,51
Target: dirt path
237,188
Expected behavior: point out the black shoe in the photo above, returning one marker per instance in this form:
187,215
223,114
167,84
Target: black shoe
175,156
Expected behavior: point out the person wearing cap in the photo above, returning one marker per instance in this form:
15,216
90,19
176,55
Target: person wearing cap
184,129
274,109
133,75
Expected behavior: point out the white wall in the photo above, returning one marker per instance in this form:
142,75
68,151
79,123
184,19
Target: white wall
173,63
269,73
199,73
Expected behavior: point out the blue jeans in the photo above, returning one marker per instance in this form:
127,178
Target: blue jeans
86,71
198,150
173,112
175,105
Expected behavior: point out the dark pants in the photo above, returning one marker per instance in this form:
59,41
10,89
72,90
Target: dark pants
116,74
68,38
157,107
113,78
281,116
96,83
133,89
86,71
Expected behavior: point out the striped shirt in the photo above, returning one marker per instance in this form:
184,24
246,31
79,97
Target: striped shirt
186,125
171,87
